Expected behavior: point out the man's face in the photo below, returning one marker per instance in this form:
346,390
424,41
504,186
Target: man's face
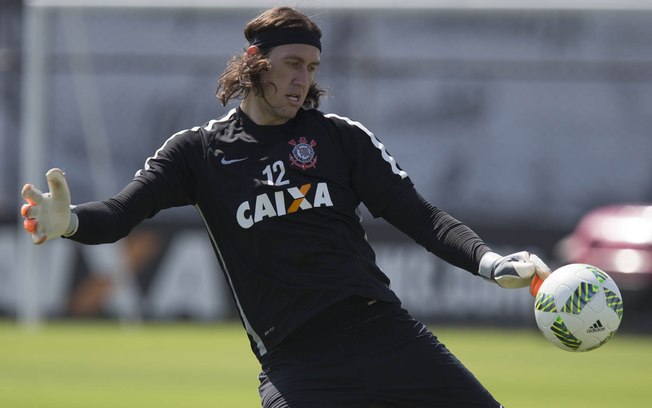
286,84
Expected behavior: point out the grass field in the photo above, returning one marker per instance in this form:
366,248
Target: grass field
93,365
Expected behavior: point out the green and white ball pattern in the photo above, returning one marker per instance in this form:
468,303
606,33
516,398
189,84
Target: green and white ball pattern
578,308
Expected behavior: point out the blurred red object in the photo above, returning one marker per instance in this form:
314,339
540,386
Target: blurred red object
616,239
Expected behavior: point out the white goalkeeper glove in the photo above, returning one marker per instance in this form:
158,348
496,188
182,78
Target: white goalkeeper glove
512,271
48,215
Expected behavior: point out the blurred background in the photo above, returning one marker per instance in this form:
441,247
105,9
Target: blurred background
519,118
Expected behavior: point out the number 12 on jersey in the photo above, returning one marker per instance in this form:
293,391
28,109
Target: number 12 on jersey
277,169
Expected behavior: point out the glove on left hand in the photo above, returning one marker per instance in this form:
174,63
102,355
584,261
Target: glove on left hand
512,271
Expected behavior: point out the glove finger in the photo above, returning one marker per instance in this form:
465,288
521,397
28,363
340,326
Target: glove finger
30,225
512,282
38,239
35,211
522,256
58,186
513,273
542,270
524,269
32,194
25,210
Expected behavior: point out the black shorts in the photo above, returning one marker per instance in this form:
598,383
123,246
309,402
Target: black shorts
378,357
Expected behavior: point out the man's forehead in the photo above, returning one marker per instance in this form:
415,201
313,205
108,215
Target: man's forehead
304,52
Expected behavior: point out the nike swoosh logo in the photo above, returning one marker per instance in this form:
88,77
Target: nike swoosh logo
225,161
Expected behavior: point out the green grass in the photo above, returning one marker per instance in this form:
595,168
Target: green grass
103,365
93,365
522,369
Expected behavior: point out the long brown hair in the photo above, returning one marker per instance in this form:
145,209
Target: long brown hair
242,73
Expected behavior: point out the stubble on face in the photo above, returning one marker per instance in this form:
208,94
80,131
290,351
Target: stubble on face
285,85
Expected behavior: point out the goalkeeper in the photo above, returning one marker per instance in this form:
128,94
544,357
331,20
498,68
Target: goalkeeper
278,185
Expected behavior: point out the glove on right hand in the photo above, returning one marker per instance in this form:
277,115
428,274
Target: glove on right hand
512,271
48,215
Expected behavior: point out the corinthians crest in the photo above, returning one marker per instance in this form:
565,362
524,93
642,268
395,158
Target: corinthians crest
303,153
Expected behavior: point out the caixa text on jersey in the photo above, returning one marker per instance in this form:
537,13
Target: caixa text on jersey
283,202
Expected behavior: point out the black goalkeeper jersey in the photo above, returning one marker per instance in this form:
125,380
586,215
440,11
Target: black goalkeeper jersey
281,206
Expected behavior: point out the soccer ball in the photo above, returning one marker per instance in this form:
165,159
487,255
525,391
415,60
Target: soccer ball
578,308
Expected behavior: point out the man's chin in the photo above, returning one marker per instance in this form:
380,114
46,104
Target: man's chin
290,112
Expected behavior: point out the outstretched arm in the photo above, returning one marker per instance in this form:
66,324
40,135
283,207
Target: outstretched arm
50,215
457,244
109,220
435,230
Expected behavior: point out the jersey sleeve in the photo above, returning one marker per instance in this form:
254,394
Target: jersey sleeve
168,174
107,221
376,176
164,182
436,230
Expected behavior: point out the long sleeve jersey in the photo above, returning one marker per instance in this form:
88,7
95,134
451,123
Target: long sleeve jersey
281,208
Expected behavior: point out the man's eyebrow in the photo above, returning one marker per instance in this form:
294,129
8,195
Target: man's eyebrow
301,59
